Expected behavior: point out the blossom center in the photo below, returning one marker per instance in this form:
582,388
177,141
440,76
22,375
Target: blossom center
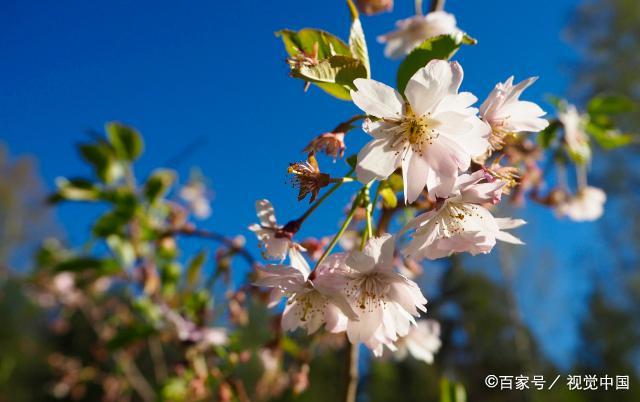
369,292
456,217
415,131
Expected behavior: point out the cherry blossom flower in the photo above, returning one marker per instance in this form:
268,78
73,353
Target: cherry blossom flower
195,195
313,300
586,205
575,137
411,32
275,239
508,115
188,331
422,341
386,302
460,223
432,136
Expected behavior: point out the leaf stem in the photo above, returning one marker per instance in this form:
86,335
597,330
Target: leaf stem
343,228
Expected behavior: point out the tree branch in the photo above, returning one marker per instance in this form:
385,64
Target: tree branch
437,5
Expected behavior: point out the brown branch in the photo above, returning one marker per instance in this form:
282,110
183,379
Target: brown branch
351,390
437,5
205,234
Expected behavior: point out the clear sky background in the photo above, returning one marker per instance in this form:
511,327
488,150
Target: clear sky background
214,70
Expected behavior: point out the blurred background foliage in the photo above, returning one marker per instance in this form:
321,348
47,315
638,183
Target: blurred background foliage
482,330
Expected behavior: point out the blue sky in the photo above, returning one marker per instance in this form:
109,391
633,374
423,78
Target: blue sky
214,70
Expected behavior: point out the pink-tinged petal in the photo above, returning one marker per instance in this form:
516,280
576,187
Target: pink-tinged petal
525,116
408,295
396,320
336,321
364,329
360,262
414,173
298,261
276,247
483,193
377,99
266,213
452,124
286,278
430,84
509,223
274,297
508,238
465,180
517,90
445,157
459,103
426,234
377,129
376,160
290,316
381,249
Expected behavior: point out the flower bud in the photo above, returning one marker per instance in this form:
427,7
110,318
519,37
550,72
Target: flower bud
371,7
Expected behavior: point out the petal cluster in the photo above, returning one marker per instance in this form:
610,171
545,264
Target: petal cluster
586,205
461,223
508,115
274,239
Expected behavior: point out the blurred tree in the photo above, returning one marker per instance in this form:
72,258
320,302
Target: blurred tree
24,217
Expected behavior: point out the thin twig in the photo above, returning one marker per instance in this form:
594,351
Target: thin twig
206,234
351,391
135,377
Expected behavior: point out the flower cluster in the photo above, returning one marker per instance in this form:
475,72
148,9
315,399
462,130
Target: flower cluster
450,161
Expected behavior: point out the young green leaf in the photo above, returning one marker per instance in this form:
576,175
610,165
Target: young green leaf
608,138
357,41
158,184
126,141
308,41
546,136
441,47
76,190
609,104
100,156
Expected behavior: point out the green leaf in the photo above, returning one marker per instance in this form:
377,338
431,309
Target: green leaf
451,391
123,250
126,141
608,138
83,263
609,104
195,267
340,70
546,136
357,41
158,184
101,157
304,41
441,47
77,189
323,59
